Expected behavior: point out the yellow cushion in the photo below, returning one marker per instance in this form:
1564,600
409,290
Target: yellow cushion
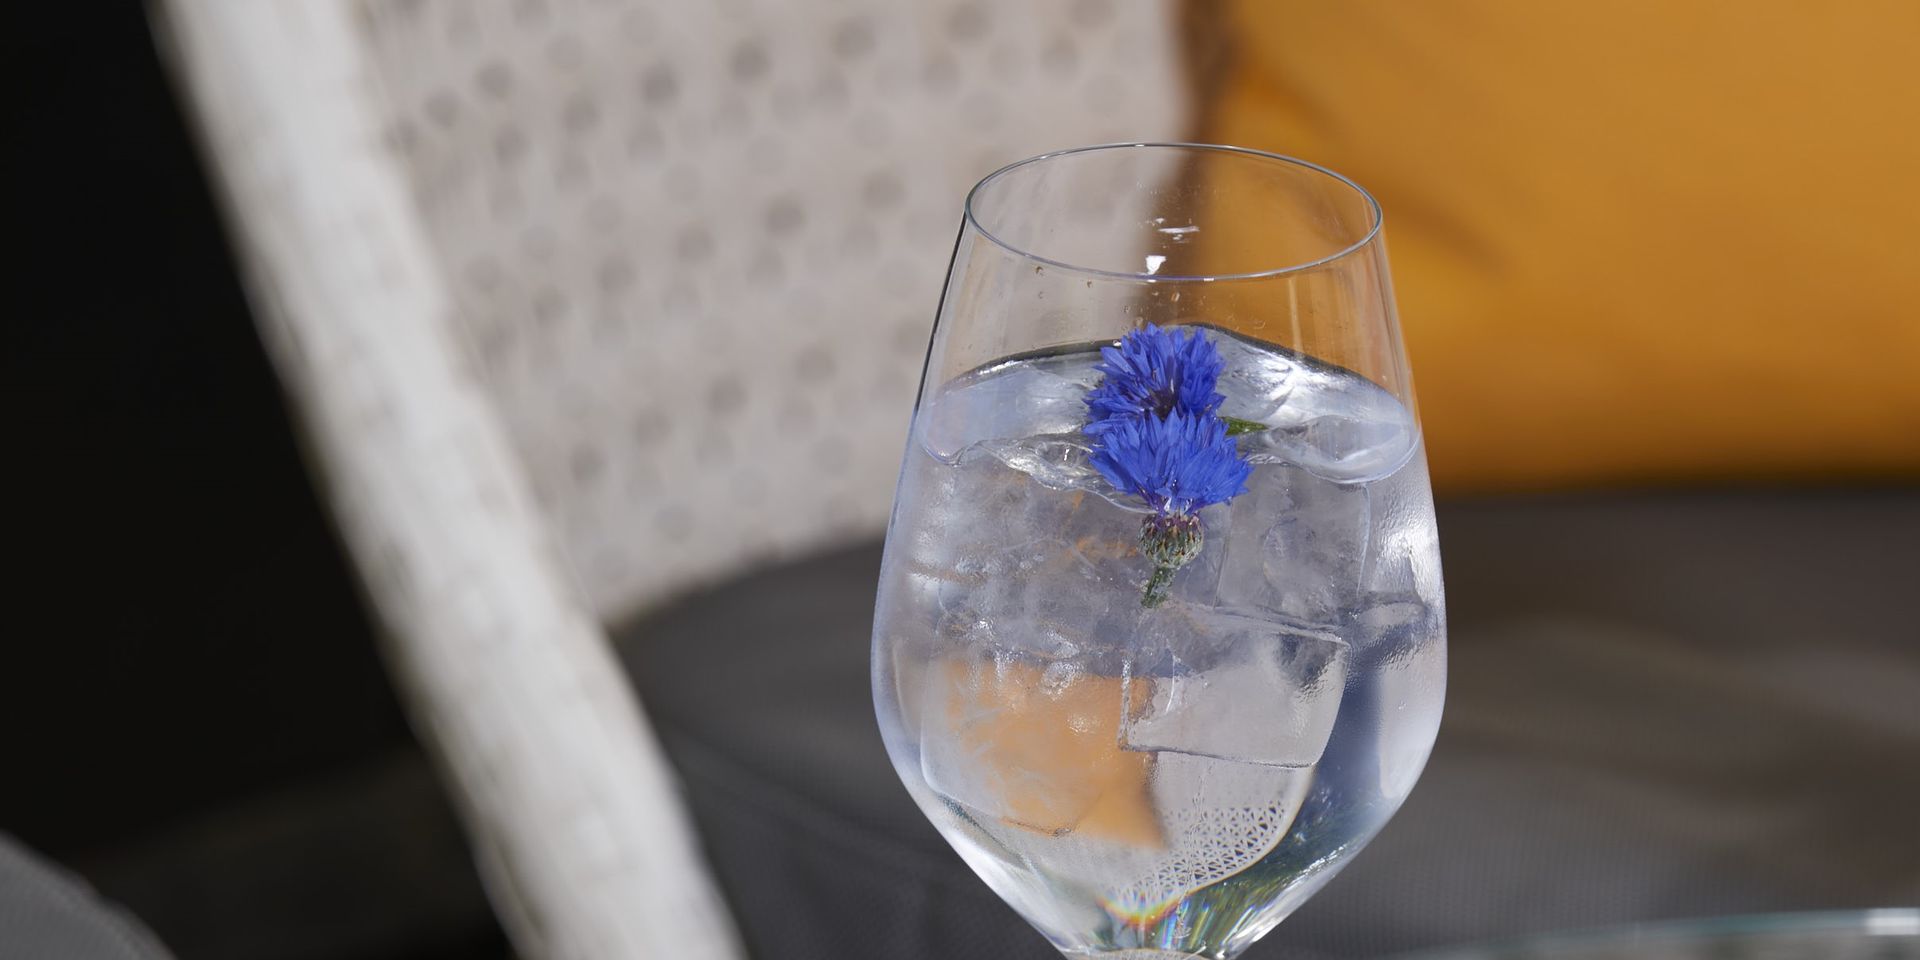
1633,241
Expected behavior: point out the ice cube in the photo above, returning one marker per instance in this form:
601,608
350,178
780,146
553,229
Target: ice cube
1328,422
1295,545
1257,380
1011,401
1412,687
1218,817
1049,572
1402,598
1335,448
1406,547
1234,687
1059,462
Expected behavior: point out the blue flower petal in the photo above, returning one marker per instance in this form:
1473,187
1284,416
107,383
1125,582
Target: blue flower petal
1155,372
1177,464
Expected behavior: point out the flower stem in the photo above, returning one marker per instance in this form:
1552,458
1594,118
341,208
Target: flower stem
1157,585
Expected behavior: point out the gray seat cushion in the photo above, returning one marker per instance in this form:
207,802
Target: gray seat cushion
1659,706
46,912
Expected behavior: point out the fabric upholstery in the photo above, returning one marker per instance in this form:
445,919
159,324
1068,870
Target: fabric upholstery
697,247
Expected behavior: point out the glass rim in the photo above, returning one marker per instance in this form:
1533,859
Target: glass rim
1378,216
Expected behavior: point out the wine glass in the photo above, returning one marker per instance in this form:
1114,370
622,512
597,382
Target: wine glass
1160,636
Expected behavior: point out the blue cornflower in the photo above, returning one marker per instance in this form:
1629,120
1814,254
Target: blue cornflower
1157,435
1177,464
1157,371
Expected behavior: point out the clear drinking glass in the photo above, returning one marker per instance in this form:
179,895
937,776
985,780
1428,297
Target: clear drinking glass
1155,715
